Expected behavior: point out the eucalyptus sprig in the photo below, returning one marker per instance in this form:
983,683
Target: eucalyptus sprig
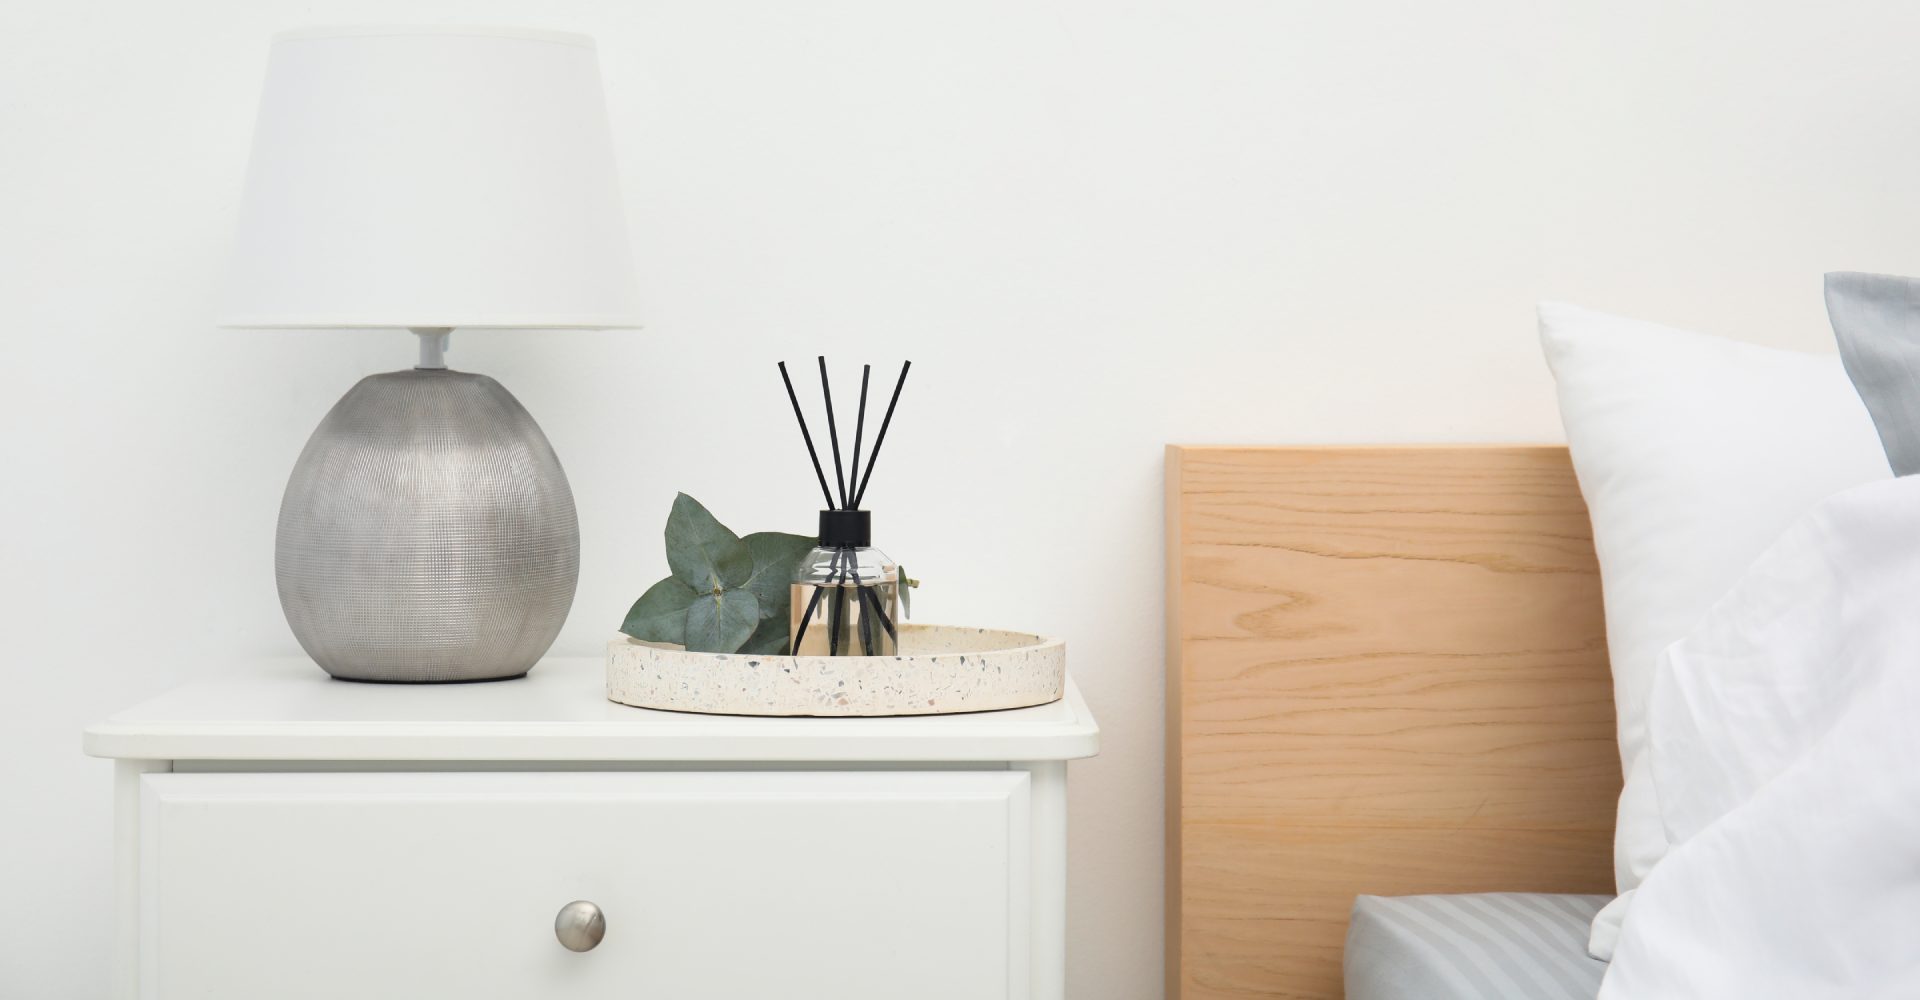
727,594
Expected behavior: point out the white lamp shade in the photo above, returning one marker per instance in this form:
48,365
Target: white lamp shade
432,177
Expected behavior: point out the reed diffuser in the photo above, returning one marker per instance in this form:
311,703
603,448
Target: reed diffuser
846,593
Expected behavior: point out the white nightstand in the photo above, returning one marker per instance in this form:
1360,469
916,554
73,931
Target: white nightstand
281,834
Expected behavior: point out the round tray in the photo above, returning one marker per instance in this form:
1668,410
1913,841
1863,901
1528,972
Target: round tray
941,669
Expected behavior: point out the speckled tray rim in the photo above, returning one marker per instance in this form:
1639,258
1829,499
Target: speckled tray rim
1030,670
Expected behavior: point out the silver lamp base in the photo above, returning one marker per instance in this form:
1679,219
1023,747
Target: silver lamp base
427,534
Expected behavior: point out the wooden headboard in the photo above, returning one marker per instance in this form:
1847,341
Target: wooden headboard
1386,674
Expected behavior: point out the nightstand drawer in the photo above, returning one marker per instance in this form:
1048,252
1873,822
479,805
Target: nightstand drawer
713,884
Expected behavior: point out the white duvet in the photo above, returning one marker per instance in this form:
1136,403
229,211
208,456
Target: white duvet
1785,743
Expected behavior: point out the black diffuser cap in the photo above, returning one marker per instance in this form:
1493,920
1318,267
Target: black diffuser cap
841,528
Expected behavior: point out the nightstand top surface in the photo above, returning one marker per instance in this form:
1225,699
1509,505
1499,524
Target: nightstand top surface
290,710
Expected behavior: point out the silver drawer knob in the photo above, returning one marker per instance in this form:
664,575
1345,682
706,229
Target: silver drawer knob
580,925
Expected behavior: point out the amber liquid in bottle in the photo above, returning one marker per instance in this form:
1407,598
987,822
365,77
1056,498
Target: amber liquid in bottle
846,622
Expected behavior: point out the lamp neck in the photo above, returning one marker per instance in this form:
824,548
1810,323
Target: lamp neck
433,346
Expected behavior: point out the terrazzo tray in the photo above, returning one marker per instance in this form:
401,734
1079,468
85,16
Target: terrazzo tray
941,669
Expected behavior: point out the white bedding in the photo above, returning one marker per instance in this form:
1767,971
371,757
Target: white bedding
1784,735
1694,453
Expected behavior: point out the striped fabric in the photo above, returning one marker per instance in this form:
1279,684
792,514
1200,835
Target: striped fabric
1489,946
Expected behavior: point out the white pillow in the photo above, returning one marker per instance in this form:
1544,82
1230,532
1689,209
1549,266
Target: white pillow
1781,736
1693,453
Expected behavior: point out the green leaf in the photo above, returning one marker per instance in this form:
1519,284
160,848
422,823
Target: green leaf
770,639
660,615
720,623
703,553
774,556
906,592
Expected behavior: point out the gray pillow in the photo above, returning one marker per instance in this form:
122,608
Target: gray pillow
1876,318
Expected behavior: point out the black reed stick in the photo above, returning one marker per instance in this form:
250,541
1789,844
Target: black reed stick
880,612
813,604
881,438
833,434
808,438
865,629
860,423
836,611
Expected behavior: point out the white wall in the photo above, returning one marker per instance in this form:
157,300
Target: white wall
1095,228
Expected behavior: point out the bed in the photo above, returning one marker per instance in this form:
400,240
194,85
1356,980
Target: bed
1472,946
1387,697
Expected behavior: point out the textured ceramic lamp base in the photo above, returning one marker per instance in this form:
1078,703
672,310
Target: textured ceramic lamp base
427,534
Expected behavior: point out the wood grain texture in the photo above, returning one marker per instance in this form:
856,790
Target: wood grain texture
1386,674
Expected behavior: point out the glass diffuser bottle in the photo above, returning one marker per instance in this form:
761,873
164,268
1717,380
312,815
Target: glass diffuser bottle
845,594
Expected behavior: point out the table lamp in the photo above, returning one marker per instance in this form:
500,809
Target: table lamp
430,179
